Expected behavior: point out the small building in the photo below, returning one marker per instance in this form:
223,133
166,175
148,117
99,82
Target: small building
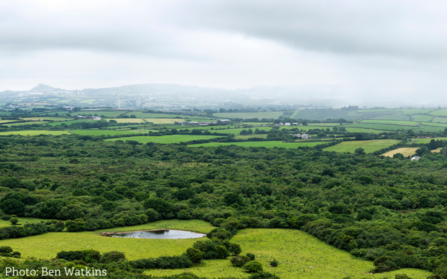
224,121
80,117
305,136
415,158
295,124
287,124
190,123
96,118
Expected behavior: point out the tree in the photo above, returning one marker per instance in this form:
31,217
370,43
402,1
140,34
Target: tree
232,198
14,221
12,206
72,211
50,208
159,205
398,156
253,267
195,255
421,151
360,151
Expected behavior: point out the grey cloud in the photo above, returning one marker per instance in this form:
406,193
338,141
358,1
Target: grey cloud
379,27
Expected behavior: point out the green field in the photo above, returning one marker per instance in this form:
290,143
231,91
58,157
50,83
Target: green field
105,113
368,145
92,132
397,116
439,112
267,144
86,101
35,133
300,256
416,111
163,120
434,124
420,117
44,119
166,139
415,140
390,122
141,114
381,126
47,245
248,115
246,137
28,123
128,120
440,119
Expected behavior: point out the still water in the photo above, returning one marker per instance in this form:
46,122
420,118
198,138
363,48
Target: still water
162,234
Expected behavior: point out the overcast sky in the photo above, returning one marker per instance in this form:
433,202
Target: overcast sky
364,47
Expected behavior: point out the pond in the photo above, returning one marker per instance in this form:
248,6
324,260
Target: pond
158,234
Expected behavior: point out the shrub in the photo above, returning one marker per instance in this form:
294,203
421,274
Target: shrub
5,249
16,254
234,249
263,275
253,267
14,221
251,256
112,256
239,261
274,263
195,255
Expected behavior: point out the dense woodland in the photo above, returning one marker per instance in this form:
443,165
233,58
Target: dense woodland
390,211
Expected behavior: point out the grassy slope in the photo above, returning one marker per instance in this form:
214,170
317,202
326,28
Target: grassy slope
406,151
268,144
418,117
165,139
391,122
92,132
296,251
439,112
48,245
22,221
369,145
34,133
248,115
163,120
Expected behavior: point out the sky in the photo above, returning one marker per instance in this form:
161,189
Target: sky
366,49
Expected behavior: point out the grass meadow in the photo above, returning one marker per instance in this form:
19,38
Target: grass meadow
368,145
35,133
440,119
105,113
300,255
46,246
141,114
439,112
165,139
425,140
92,132
128,120
267,144
416,111
163,120
22,221
391,122
246,137
406,151
44,119
385,127
249,115
420,117
28,123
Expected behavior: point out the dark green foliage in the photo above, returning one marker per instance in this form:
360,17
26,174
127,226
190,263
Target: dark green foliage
274,263
159,205
239,261
263,275
173,262
84,255
113,256
253,267
14,221
251,256
195,255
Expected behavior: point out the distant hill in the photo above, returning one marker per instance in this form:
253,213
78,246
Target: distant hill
43,87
